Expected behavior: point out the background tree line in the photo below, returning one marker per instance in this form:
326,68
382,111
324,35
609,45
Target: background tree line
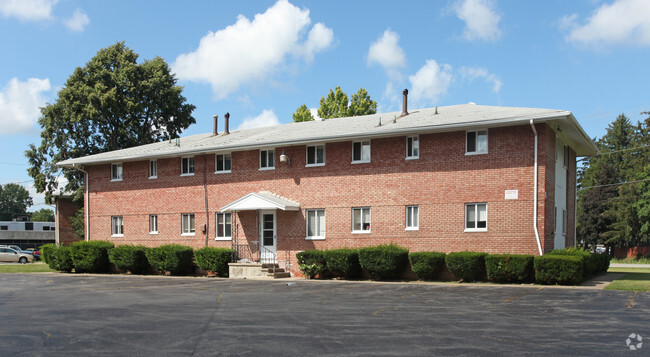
614,187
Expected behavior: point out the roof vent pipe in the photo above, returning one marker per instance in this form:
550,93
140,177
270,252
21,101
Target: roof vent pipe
405,94
227,116
215,131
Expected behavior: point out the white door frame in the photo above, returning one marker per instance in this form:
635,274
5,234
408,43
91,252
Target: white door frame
265,256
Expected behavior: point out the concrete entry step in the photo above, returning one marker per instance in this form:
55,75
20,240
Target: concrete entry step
256,271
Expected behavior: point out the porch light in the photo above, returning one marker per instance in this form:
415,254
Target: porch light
285,158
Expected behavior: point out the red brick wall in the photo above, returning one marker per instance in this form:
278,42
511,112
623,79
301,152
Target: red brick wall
440,182
64,231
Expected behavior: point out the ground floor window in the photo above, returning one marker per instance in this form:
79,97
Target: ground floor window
187,225
315,224
117,226
224,226
153,224
412,218
361,220
475,217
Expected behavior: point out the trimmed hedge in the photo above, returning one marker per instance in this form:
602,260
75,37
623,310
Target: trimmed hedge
466,266
214,260
427,265
312,263
128,257
383,261
343,262
60,260
559,269
591,262
509,268
91,256
603,262
47,251
173,258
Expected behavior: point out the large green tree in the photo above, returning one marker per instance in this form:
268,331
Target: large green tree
337,104
43,215
111,103
14,201
302,114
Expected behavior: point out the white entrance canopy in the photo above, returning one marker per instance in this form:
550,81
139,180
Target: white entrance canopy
261,201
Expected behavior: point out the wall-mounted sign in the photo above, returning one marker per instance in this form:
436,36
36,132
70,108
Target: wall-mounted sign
512,194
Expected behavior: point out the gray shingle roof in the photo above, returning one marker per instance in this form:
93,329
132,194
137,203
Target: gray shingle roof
449,118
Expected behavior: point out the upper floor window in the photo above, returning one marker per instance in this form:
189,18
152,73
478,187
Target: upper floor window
475,217
412,147
116,172
361,220
117,226
223,163
315,224
412,218
153,169
315,155
224,226
187,224
361,151
267,159
477,142
187,166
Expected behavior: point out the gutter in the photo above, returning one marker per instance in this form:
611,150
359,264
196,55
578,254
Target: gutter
539,245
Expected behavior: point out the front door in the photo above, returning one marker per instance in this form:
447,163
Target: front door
269,242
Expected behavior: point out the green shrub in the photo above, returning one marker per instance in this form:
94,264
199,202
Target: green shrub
312,263
214,260
343,262
383,261
466,266
91,256
603,262
173,258
129,257
427,265
61,260
46,252
509,268
558,269
590,261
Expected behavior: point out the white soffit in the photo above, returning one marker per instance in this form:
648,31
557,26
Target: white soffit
261,201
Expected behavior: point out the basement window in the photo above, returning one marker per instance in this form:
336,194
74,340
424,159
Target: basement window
476,142
475,217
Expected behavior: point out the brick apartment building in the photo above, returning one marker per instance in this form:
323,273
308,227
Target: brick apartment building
444,179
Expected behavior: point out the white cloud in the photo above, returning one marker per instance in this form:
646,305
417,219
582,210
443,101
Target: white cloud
430,82
249,51
473,73
267,118
481,19
314,113
27,10
78,21
20,103
386,52
621,22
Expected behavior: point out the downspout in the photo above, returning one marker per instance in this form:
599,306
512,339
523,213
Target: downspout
539,245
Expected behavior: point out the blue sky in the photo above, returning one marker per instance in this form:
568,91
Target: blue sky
260,60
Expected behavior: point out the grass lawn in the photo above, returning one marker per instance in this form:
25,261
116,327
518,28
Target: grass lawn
636,279
631,260
39,267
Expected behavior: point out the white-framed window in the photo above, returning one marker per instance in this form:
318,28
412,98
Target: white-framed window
222,163
361,151
153,224
267,159
412,147
361,220
187,224
315,155
476,142
153,169
475,217
412,218
315,224
116,171
187,166
224,226
117,226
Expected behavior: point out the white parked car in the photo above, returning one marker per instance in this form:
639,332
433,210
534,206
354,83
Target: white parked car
14,256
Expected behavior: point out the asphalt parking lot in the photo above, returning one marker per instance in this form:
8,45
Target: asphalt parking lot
58,314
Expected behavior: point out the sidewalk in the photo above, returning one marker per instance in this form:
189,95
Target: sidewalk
620,265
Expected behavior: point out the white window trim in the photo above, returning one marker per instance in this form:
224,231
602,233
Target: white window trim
307,236
215,163
150,231
486,217
189,234
362,231
369,152
415,228
259,164
119,234
307,155
117,179
187,174
216,227
156,175
407,147
476,138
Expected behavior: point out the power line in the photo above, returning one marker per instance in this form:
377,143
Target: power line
12,163
614,184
